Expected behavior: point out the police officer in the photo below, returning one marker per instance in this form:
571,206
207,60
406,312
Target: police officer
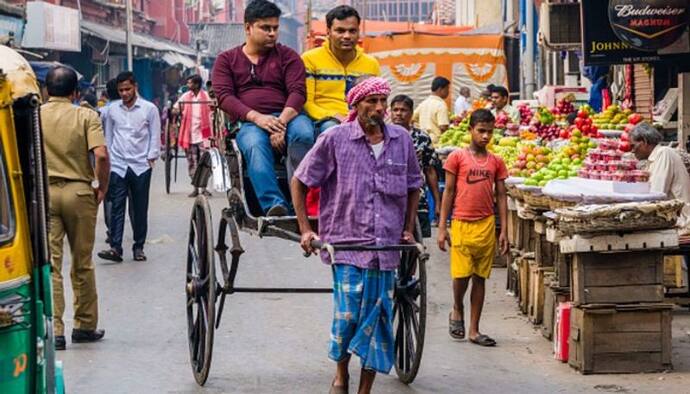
78,170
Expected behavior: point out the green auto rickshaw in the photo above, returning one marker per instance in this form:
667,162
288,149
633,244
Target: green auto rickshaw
27,349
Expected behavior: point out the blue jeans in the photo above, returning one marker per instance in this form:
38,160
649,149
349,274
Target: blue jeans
256,149
325,125
137,188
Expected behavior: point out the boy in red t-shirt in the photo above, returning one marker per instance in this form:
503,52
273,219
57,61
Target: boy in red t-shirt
473,177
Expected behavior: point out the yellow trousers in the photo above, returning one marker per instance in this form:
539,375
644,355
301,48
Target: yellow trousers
73,212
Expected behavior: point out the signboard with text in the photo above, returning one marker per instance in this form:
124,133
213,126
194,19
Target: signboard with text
636,31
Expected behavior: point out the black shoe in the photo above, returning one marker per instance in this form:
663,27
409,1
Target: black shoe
139,255
110,254
81,336
277,210
194,193
60,343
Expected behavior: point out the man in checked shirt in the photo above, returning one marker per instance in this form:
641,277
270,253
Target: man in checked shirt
369,178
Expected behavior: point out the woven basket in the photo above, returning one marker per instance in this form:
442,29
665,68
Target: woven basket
514,192
623,217
536,201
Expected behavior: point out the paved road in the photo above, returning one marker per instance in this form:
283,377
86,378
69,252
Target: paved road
277,343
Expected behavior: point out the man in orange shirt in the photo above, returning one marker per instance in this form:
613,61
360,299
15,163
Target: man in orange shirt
474,177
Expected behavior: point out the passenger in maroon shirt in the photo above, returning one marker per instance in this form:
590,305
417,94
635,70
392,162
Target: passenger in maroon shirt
262,84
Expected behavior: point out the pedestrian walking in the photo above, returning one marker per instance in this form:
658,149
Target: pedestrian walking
261,84
369,178
474,180
194,106
432,114
76,187
132,130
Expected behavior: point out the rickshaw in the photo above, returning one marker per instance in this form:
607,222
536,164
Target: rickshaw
172,129
27,349
210,279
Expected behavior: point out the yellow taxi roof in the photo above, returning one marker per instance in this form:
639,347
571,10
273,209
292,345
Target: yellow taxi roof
18,72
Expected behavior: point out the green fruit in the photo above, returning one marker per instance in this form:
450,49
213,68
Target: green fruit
542,183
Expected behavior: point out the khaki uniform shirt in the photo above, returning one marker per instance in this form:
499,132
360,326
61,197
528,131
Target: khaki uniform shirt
430,115
70,133
667,174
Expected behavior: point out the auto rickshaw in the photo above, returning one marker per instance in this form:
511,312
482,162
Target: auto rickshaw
27,349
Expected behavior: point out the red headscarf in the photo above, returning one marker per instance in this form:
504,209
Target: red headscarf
366,88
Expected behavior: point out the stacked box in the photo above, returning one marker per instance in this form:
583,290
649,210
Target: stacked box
631,338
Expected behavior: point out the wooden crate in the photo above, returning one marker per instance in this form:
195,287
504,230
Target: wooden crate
513,220
674,272
553,295
512,276
543,251
535,307
523,294
621,339
617,278
561,267
643,240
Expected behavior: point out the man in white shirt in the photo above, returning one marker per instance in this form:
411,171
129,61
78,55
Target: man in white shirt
667,173
195,128
132,132
462,103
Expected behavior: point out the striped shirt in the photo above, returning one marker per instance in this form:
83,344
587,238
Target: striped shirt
363,199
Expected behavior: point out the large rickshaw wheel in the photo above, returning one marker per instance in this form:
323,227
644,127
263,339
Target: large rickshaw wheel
201,290
409,314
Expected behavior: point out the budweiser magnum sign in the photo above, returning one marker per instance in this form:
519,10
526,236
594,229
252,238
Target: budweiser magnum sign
649,25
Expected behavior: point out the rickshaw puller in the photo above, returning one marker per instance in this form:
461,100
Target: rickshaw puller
369,178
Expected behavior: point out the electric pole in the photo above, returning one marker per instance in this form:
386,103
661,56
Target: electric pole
128,34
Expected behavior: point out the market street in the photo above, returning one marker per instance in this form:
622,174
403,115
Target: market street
278,343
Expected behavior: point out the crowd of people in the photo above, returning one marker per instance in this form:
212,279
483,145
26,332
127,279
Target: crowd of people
326,114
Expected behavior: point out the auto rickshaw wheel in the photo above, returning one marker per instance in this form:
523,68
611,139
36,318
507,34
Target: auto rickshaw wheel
200,289
409,313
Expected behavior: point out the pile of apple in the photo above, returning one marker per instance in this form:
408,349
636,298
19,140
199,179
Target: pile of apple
563,107
456,134
526,114
608,163
530,159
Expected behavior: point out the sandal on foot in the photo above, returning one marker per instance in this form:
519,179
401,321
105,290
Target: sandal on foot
456,328
483,340
139,255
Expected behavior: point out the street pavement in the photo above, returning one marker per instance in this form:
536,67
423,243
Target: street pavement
277,343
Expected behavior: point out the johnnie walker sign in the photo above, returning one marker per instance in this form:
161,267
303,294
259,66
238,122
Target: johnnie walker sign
636,31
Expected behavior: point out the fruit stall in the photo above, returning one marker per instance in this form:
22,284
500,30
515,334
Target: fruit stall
588,238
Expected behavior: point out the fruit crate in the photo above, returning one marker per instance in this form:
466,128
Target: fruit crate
620,339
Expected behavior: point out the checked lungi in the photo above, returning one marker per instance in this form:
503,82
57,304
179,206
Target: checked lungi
363,316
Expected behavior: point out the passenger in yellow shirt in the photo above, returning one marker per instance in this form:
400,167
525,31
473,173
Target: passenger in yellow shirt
432,114
333,68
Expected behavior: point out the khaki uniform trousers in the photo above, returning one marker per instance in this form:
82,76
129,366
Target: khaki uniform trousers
73,211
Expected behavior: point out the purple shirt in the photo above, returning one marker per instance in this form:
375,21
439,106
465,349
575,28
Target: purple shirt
363,199
279,82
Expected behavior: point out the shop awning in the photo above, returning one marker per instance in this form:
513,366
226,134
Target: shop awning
173,58
180,53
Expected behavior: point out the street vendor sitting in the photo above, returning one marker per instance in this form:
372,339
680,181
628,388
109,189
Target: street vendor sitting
370,179
667,173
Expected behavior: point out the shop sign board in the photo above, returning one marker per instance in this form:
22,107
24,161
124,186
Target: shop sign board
52,27
636,31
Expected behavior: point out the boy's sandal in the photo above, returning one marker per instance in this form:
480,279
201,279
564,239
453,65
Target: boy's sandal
456,328
483,340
